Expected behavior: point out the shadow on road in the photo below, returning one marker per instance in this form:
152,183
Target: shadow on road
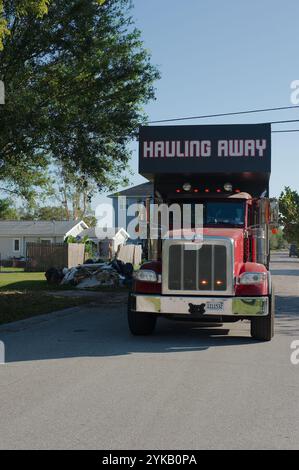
108,337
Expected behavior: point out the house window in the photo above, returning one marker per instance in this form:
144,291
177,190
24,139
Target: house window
16,245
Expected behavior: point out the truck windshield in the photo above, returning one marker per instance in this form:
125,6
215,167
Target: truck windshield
217,213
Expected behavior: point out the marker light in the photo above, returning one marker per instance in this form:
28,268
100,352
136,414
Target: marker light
187,186
219,283
218,190
228,187
207,190
177,190
204,282
237,190
196,190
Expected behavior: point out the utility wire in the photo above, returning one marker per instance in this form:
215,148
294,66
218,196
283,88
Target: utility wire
225,114
286,130
284,121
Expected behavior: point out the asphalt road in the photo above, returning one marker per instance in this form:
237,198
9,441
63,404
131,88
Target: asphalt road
79,380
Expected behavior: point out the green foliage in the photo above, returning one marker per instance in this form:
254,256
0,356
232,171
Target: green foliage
7,210
39,8
42,213
71,239
90,220
74,192
47,213
21,7
76,81
289,214
277,241
89,245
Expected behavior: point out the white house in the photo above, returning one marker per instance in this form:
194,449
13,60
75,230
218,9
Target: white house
14,234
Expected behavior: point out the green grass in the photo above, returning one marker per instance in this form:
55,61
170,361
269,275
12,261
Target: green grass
26,281
24,295
20,305
22,281
11,270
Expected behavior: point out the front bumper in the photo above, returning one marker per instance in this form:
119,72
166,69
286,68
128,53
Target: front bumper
203,306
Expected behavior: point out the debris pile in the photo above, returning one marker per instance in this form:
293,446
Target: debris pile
114,273
54,275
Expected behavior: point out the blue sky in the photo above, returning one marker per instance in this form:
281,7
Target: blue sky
219,56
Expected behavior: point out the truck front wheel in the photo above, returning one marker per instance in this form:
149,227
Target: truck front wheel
140,324
262,328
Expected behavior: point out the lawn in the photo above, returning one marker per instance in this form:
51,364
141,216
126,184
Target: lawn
25,281
24,295
10,269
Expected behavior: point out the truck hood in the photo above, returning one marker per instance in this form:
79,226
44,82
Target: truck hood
235,234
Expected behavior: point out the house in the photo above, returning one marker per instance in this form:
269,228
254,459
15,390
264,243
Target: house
135,195
107,246
15,234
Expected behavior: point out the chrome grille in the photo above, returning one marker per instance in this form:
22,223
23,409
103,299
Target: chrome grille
206,269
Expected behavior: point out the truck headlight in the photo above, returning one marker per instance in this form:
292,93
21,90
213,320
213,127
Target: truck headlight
252,278
146,275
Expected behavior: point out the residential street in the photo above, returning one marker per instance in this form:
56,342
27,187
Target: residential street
79,380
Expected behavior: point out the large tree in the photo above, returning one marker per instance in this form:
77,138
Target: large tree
39,8
22,7
289,214
76,80
7,209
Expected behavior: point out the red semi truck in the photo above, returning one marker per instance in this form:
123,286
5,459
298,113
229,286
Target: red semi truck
224,275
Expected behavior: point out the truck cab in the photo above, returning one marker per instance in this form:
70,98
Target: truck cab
217,268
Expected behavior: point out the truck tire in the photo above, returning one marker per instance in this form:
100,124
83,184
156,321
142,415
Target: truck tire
262,328
140,324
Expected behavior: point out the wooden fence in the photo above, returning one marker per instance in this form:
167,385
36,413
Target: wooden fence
41,256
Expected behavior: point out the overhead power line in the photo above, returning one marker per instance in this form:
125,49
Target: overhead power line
236,113
284,121
285,130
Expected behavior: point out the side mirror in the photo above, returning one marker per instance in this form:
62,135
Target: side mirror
274,213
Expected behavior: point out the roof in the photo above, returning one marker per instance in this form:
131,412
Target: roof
38,227
144,189
110,233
